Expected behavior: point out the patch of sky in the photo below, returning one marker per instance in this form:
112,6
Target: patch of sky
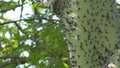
2,45
26,64
29,42
15,15
11,25
21,34
24,54
7,35
46,62
23,24
39,28
1,21
118,1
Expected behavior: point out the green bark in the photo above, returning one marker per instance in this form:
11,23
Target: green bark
92,32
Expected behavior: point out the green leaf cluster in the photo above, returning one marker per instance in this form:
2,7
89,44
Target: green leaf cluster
40,35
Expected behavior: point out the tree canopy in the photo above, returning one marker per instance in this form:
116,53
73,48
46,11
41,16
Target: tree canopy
32,39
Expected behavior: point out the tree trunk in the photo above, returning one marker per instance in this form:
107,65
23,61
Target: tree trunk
92,32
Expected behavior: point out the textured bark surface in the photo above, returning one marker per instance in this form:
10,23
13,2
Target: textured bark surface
92,32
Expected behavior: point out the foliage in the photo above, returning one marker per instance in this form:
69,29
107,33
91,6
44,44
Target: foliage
37,34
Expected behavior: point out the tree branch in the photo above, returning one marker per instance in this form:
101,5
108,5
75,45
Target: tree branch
28,20
12,8
13,60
